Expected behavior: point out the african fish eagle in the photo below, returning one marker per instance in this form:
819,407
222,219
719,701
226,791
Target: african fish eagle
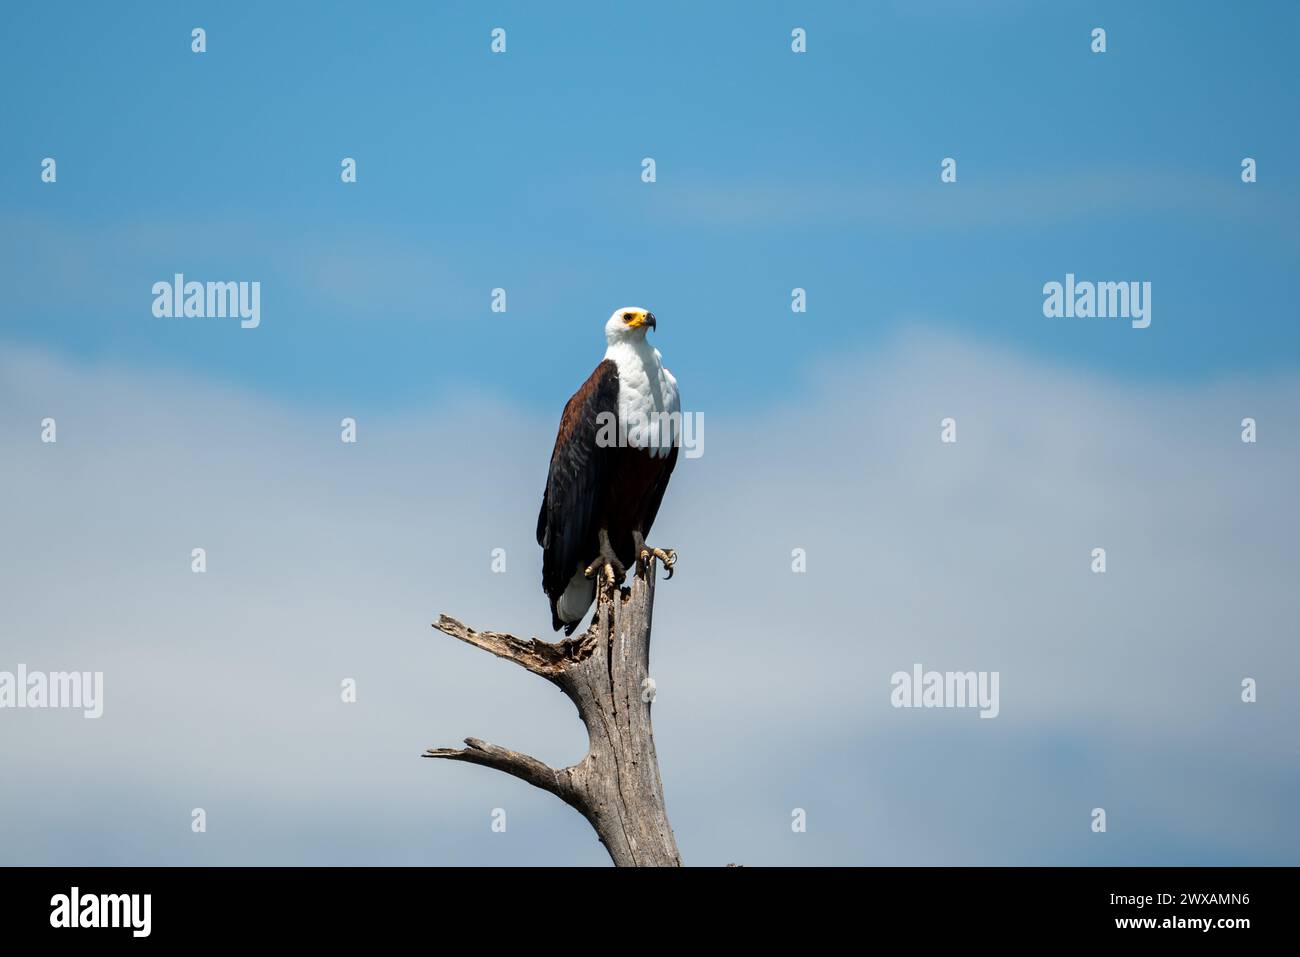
616,448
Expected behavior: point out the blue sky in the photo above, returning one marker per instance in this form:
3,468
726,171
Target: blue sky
522,171
775,170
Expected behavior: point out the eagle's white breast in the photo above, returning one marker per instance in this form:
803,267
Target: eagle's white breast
649,408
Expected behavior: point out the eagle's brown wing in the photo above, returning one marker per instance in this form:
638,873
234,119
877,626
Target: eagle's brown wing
567,525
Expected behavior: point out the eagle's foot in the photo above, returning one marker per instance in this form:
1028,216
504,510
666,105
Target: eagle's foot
645,554
612,569
615,571
667,556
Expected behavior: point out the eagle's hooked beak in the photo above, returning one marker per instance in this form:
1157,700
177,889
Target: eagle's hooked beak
639,318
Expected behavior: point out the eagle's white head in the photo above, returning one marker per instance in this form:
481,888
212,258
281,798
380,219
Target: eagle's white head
629,324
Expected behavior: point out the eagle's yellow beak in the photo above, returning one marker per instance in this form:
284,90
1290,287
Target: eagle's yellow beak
641,317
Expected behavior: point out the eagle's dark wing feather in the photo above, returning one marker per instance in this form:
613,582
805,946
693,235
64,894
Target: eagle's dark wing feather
575,488
656,496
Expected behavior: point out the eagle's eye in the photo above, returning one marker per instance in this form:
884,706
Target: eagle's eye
627,317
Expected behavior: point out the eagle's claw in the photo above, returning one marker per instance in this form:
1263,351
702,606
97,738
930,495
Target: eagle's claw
613,570
667,556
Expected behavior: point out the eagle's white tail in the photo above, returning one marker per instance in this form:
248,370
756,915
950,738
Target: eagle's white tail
577,598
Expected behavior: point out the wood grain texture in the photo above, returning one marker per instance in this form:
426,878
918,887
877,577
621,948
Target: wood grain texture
617,786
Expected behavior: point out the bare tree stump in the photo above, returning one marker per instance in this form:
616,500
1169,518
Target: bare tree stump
616,787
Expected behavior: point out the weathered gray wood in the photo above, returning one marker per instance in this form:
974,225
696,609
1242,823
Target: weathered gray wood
616,787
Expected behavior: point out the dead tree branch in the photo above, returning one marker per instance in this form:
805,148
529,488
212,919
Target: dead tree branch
616,787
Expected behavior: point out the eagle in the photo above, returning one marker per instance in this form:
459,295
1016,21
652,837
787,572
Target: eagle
614,453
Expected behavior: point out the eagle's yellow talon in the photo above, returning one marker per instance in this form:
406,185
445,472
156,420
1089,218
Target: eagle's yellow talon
667,556
599,567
